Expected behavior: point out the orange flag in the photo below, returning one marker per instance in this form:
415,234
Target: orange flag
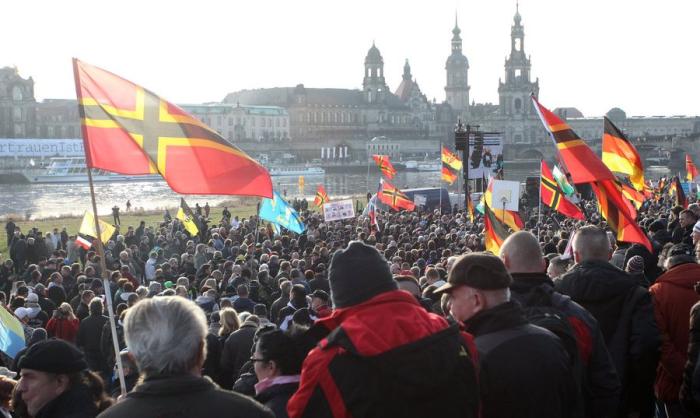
385,165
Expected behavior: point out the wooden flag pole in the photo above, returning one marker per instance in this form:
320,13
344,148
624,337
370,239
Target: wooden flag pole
100,247
107,288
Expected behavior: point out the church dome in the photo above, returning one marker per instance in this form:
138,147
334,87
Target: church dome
457,59
373,56
616,114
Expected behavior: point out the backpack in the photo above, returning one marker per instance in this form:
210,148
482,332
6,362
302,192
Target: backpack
540,310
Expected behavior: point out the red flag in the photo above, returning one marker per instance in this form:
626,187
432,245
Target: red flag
321,196
580,161
385,165
447,174
619,155
681,199
553,196
690,168
394,197
130,130
495,233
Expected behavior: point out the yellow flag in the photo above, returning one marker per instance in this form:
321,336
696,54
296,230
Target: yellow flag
184,213
301,184
87,227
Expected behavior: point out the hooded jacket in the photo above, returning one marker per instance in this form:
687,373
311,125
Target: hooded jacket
673,297
387,357
625,315
184,396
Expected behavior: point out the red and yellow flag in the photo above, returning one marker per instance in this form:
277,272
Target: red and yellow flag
580,161
617,211
675,187
690,168
130,130
447,174
552,195
637,198
620,156
385,165
495,233
509,217
451,159
394,197
321,196
470,209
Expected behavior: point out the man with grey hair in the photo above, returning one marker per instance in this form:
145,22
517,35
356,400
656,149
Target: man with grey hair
167,338
624,312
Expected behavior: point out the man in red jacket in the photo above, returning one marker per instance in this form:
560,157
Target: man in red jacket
673,297
382,354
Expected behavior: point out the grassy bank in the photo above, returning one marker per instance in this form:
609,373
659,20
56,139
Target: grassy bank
152,218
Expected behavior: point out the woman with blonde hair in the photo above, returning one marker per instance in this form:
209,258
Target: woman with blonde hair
229,322
63,324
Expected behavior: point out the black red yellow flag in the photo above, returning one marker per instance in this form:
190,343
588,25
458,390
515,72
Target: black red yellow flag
553,196
620,156
394,197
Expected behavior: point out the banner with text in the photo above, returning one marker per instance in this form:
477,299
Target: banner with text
339,209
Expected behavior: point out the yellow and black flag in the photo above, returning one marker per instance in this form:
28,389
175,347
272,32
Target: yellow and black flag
620,156
184,213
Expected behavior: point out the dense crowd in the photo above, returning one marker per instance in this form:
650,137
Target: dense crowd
406,318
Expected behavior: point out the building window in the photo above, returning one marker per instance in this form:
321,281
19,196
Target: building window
17,94
518,105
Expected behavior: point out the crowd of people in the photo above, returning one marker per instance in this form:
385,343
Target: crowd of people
405,318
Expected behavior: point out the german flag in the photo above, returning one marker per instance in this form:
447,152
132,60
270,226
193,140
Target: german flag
636,197
451,159
495,233
385,165
321,196
616,211
580,161
130,130
553,196
620,155
394,197
690,168
681,199
447,174
470,209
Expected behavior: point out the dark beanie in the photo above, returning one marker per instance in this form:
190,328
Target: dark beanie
357,274
54,356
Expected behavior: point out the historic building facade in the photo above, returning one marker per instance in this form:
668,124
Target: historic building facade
17,104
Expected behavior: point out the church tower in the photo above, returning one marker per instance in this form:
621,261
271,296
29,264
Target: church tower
514,93
457,68
373,84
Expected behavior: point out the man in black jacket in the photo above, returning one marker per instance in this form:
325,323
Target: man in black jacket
524,370
531,287
625,315
166,337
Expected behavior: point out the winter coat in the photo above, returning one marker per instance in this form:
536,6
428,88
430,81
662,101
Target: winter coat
184,396
524,370
690,388
625,314
90,341
387,357
276,397
76,402
65,329
673,297
236,351
602,385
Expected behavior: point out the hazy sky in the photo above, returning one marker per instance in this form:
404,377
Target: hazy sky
640,55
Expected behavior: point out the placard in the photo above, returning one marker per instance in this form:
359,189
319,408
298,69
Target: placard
487,160
339,209
505,192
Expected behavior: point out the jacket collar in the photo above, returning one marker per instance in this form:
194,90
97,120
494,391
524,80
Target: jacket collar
504,316
171,385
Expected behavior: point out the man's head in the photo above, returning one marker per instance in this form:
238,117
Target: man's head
46,369
477,282
557,267
680,254
521,253
166,336
687,218
319,298
591,243
696,233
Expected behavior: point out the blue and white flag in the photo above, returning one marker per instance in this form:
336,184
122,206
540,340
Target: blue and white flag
278,211
11,333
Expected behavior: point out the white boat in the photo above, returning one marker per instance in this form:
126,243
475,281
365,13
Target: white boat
296,170
74,170
429,166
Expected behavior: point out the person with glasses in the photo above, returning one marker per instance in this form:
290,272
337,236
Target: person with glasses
277,363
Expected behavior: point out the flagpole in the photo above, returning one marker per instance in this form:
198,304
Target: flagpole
440,176
100,247
107,288
539,204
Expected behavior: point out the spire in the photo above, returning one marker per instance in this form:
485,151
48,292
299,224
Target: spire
456,39
517,17
407,71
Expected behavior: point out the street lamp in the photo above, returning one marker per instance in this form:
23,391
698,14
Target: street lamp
369,156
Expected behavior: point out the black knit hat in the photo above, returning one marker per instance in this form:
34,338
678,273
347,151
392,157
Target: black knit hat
478,270
54,356
357,274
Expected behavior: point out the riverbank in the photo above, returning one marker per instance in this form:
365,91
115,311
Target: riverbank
244,209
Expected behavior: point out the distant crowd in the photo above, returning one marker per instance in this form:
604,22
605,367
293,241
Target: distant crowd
405,318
